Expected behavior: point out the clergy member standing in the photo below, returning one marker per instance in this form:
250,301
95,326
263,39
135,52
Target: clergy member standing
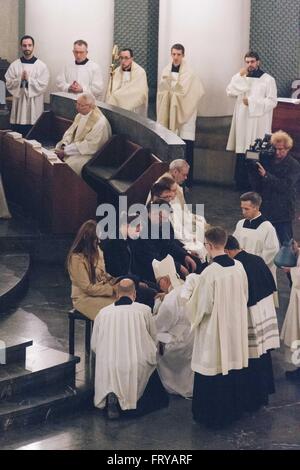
256,97
218,313
263,333
124,340
255,234
128,87
27,80
178,97
88,133
83,75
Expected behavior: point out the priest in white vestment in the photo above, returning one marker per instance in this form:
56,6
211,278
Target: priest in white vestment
290,333
27,80
89,132
124,340
256,235
256,97
178,96
81,76
174,329
128,86
218,314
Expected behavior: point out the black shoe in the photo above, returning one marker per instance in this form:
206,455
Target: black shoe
112,406
293,374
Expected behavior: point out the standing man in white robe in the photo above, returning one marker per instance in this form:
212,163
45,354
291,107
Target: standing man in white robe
83,75
89,132
27,79
290,333
255,234
124,340
128,87
256,97
218,314
178,97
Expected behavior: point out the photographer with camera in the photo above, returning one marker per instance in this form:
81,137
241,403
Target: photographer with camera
256,97
274,177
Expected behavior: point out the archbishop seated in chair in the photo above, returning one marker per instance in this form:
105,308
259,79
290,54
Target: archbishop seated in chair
88,133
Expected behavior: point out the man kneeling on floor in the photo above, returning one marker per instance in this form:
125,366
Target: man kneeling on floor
124,340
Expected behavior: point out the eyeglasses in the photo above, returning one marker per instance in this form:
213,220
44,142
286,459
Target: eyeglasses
125,58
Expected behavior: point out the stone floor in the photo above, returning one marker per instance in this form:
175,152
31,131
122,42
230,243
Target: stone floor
42,316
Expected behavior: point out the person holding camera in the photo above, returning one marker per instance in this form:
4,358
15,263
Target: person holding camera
275,180
256,97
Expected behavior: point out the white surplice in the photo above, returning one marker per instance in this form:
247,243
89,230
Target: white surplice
253,121
218,313
174,330
88,75
124,342
28,102
262,241
290,333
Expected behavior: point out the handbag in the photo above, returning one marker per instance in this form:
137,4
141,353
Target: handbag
286,257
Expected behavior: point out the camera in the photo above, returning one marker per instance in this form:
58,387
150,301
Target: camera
261,151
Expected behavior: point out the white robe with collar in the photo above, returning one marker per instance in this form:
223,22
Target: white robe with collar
253,121
124,342
89,76
28,103
218,313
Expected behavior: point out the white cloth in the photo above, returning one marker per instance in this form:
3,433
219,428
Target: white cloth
28,103
189,228
124,342
80,152
89,76
174,366
166,267
218,313
262,242
263,334
129,90
4,211
253,121
290,332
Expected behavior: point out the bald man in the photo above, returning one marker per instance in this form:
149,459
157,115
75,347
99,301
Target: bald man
124,340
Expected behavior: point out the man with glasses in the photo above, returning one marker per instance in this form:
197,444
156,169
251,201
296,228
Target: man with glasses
128,87
83,75
88,133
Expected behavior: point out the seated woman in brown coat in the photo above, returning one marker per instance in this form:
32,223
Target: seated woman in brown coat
92,287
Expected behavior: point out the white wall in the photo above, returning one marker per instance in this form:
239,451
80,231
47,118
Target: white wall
216,36
9,29
56,24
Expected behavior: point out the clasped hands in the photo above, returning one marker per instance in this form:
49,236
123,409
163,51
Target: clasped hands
75,88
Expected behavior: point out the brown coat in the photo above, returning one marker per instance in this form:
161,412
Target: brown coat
90,298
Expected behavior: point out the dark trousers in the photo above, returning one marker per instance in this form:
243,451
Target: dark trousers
241,173
190,159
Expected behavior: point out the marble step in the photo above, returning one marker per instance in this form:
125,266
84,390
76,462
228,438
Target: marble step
43,368
14,269
13,349
42,406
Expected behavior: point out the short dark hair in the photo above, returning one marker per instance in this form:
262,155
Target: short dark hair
163,184
216,236
253,197
26,37
232,243
252,54
81,42
127,49
178,47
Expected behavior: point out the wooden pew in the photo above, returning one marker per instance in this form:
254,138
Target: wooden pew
49,129
13,168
